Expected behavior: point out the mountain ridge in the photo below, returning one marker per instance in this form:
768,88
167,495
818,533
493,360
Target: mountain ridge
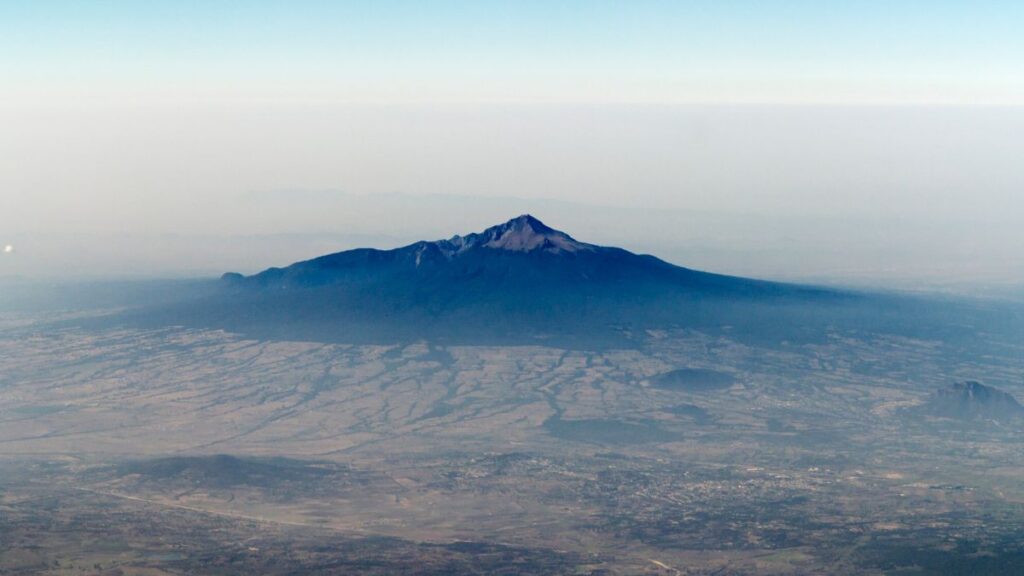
523,234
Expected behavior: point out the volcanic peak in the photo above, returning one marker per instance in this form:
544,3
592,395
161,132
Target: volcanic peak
521,234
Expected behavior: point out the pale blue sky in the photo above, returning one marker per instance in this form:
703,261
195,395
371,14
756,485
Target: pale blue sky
563,51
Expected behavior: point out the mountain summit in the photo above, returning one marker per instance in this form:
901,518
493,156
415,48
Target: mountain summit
522,234
516,281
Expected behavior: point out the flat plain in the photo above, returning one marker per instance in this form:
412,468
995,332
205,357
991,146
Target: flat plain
174,451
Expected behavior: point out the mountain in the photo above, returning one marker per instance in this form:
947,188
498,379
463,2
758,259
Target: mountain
972,402
517,282
522,258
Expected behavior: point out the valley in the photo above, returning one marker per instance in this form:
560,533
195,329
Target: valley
798,458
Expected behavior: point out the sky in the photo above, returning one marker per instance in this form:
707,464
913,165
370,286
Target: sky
848,141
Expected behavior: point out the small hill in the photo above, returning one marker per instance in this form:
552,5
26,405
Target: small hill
693,380
972,402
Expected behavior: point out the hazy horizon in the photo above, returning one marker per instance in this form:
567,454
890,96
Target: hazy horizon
794,141
868,194
891,253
